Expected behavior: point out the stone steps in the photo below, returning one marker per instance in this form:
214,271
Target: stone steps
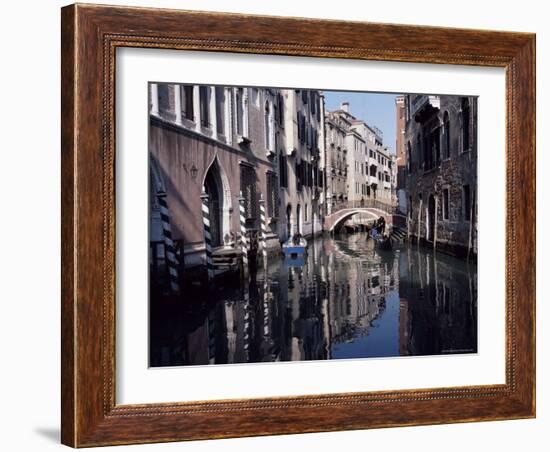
398,235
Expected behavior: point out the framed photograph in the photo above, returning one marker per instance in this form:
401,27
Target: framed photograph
281,225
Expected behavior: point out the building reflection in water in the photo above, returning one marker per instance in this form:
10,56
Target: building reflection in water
346,301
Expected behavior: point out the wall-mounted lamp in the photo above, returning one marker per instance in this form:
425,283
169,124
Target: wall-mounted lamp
194,171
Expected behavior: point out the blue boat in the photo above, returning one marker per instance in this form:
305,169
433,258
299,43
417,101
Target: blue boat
295,247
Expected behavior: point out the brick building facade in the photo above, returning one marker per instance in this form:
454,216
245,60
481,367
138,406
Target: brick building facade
441,182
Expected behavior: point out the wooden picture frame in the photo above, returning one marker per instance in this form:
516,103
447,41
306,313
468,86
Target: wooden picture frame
90,36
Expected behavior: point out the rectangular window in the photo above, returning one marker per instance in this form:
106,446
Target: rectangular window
298,171
187,104
220,110
437,144
240,110
283,171
281,111
204,100
303,128
248,189
164,97
320,178
466,203
272,195
428,152
445,204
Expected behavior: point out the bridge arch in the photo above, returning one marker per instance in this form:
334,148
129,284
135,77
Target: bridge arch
343,215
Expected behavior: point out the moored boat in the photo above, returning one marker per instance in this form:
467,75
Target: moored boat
295,247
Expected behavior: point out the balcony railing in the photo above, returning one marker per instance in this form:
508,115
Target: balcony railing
421,101
365,203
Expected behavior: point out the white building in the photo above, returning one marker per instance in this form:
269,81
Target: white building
301,153
371,172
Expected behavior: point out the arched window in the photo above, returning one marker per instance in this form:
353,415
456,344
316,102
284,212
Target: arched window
465,124
446,136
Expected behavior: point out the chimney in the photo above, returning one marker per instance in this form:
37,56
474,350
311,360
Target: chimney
345,106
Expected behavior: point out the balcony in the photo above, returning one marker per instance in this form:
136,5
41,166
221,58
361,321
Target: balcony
422,107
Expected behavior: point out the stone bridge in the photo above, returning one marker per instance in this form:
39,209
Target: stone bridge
372,210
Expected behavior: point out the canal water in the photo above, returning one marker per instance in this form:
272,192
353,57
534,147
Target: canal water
345,300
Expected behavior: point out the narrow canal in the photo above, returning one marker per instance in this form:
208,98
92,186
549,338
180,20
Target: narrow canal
346,300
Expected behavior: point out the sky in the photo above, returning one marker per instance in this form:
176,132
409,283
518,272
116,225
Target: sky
373,108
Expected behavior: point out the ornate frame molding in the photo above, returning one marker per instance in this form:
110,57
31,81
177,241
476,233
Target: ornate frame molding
90,36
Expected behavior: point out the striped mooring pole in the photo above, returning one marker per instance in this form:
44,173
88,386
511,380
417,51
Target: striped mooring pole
247,322
169,250
207,235
263,227
211,325
267,297
244,242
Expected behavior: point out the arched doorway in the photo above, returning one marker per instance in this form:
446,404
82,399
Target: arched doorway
216,186
212,187
431,218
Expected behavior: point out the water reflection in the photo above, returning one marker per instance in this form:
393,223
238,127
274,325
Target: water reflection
347,300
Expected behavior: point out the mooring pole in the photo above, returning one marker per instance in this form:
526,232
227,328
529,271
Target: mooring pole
263,227
244,243
207,234
247,320
169,250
